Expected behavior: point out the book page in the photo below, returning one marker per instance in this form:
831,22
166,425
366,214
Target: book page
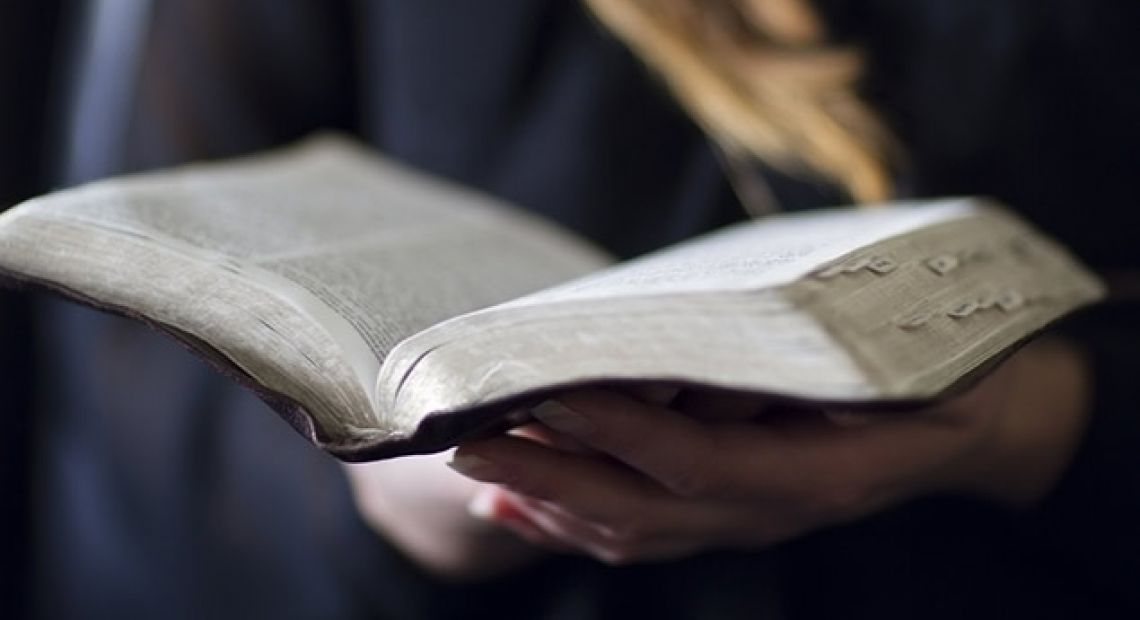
757,254
325,249
752,341
659,319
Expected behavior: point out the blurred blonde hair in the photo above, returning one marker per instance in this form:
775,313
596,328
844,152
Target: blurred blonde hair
761,79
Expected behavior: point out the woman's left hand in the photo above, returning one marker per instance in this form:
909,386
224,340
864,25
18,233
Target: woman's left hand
655,482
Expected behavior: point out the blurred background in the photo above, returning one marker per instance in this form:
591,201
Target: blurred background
29,36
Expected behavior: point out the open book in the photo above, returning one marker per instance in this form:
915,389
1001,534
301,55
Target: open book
383,312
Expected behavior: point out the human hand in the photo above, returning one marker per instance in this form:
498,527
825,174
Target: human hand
667,484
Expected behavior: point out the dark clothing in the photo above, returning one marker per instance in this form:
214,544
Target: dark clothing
164,489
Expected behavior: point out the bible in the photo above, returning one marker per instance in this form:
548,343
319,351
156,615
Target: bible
385,312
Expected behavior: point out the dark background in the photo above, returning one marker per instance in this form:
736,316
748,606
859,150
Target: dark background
29,35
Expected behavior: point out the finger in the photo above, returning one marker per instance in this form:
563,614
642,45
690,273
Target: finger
601,492
721,526
616,519
653,393
708,404
491,504
593,487
568,530
600,542
845,418
549,437
830,466
667,446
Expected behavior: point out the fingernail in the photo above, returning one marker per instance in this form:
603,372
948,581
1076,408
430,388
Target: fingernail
482,506
561,418
475,467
